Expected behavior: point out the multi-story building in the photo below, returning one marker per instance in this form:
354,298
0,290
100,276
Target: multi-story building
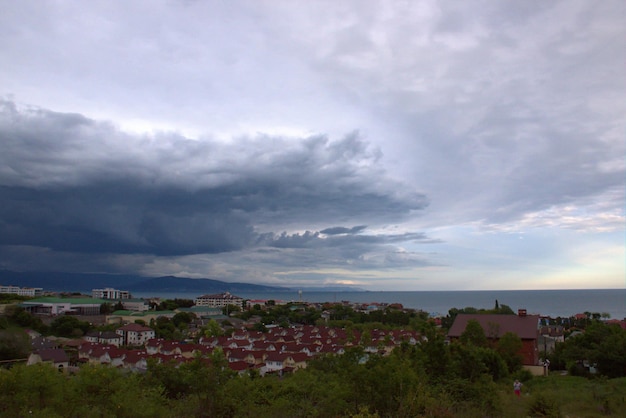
110,293
22,291
218,300
136,305
61,306
135,334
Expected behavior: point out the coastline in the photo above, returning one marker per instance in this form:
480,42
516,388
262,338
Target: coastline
552,303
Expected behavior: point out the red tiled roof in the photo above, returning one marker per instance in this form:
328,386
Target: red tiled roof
526,327
238,366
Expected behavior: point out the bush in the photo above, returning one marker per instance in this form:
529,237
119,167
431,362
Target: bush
522,375
540,406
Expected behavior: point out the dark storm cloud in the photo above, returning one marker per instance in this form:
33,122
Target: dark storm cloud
336,230
359,243
73,184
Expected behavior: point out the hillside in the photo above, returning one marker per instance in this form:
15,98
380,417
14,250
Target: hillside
81,282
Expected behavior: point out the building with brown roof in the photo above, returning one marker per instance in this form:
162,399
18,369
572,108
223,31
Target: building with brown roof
495,326
55,356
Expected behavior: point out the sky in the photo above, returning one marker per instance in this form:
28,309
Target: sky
387,145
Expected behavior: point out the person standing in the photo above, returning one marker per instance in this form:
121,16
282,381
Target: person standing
517,387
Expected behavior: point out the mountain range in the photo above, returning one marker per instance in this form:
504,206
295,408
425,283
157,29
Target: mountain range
85,282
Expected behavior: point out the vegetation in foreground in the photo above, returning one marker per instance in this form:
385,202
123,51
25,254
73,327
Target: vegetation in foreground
337,387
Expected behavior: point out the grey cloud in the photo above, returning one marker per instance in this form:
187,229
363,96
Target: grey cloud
73,184
336,230
346,242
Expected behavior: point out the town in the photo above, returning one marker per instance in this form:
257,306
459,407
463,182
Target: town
124,332
109,354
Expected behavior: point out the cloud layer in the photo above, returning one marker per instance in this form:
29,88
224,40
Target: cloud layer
402,145
71,184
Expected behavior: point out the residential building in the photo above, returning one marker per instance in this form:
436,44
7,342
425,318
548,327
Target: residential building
218,300
110,293
54,356
135,334
22,291
495,326
104,337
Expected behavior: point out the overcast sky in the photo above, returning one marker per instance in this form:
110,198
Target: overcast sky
391,145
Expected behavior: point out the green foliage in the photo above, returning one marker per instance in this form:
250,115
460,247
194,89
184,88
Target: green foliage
106,308
165,328
231,309
69,326
183,319
335,386
522,375
14,344
601,345
11,298
509,347
472,397
448,320
19,316
172,304
212,329
541,406
40,390
474,334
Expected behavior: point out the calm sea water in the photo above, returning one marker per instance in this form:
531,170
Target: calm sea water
545,302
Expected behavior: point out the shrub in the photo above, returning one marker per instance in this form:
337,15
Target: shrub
522,375
540,406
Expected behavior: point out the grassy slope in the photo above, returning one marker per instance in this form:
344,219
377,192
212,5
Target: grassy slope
574,396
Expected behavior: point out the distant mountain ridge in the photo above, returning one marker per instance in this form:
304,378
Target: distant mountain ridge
84,282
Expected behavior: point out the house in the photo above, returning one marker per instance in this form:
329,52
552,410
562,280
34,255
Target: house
100,354
39,343
241,367
495,326
104,337
136,360
135,334
278,362
55,356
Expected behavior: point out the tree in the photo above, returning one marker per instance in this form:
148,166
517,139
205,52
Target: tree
212,329
509,347
474,334
69,326
106,308
183,318
230,308
14,344
601,344
21,317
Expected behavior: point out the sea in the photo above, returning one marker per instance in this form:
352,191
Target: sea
552,303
